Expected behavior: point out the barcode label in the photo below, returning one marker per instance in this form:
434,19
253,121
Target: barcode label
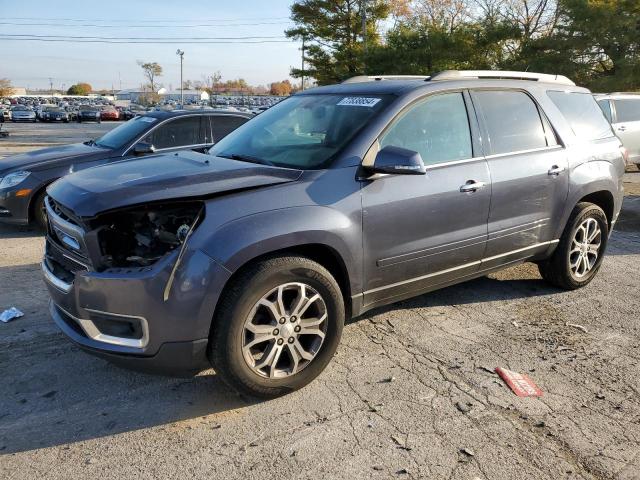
358,101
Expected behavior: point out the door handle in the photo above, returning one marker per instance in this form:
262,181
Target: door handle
472,186
622,128
555,170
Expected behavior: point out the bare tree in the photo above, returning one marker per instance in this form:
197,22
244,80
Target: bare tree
151,70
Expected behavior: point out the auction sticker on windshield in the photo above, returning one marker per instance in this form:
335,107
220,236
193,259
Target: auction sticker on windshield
358,101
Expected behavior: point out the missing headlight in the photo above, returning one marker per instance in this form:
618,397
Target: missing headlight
139,237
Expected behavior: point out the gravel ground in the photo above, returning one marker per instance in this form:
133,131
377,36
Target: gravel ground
410,393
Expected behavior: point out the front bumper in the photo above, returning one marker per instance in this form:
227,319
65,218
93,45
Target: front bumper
168,337
14,209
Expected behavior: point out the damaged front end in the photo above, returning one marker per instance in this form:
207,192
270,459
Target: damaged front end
138,237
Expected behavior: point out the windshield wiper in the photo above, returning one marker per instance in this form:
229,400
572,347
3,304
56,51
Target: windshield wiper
90,142
247,158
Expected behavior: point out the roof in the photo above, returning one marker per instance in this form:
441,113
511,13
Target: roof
399,84
163,114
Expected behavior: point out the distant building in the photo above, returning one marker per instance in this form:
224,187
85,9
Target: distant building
189,95
133,95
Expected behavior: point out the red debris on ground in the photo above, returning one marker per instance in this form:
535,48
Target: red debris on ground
521,384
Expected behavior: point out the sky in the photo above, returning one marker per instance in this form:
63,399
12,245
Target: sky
105,65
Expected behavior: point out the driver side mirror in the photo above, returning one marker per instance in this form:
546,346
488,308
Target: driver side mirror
143,148
399,161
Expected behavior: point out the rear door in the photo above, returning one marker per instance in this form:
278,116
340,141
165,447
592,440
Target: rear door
528,175
626,125
420,231
223,125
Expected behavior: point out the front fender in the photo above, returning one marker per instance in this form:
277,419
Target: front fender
239,241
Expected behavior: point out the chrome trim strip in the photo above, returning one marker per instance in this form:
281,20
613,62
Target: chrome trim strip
522,152
53,280
92,331
519,250
459,267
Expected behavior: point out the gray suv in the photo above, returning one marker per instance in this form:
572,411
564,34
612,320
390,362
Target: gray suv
335,201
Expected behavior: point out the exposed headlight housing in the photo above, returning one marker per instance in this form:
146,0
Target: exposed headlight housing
13,179
140,236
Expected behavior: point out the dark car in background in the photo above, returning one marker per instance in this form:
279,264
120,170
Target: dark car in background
335,201
87,113
24,177
54,114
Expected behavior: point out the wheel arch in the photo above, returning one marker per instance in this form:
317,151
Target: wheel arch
323,254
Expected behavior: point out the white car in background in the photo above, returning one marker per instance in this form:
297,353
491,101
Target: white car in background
623,112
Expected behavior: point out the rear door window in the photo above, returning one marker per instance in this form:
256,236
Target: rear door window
179,132
437,128
512,120
605,106
223,125
583,114
627,110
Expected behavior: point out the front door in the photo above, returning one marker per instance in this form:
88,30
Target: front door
420,231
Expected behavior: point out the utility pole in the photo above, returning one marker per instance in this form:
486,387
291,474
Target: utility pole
180,53
51,86
363,6
302,85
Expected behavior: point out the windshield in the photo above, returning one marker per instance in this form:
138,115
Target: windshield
126,133
88,108
304,131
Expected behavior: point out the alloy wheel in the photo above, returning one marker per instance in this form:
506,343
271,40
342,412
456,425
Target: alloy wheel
585,247
285,330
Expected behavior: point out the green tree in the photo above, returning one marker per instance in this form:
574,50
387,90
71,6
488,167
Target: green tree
151,70
332,33
599,41
80,89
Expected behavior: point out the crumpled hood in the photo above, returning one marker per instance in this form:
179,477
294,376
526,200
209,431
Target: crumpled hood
50,157
161,177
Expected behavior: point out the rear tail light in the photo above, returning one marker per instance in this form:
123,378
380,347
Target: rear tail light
625,155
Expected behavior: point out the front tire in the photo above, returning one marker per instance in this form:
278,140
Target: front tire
277,327
581,249
39,211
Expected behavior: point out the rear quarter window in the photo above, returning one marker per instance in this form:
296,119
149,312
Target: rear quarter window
583,114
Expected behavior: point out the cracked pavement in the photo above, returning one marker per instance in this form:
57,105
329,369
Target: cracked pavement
411,392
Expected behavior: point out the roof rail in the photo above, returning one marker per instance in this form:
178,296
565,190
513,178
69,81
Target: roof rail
377,78
501,74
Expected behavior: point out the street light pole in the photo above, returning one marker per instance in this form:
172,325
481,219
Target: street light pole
181,54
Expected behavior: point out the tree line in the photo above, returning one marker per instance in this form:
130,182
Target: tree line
594,42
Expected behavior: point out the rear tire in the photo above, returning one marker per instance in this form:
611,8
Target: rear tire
581,249
258,343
